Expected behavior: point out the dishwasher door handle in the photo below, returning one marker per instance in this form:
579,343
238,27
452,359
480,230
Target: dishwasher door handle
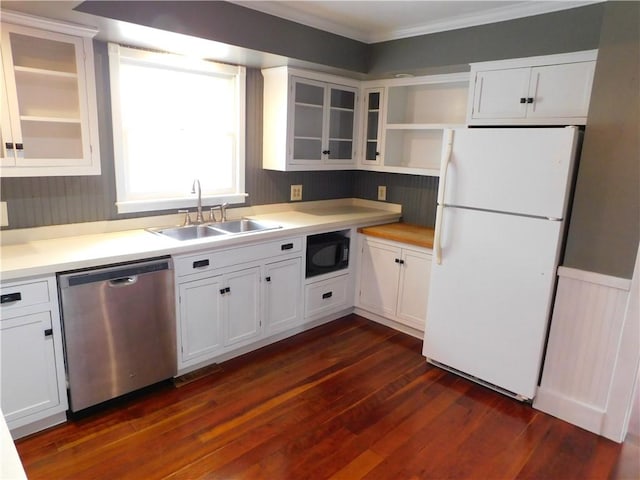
123,281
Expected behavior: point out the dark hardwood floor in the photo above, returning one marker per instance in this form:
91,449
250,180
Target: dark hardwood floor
347,400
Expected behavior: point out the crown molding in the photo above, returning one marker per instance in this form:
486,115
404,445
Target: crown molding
499,14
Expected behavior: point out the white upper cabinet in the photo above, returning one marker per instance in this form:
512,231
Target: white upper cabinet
547,90
403,121
49,120
309,121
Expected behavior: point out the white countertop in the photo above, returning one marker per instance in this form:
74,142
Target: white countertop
33,252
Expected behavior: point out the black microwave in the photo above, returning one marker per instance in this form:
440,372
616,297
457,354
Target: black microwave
327,252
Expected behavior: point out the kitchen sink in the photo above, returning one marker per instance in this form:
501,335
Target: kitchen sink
231,227
243,225
189,232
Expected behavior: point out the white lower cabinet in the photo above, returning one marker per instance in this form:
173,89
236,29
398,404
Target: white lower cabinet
328,296
231,298
200,303
283,299
241,306
33,387
394,281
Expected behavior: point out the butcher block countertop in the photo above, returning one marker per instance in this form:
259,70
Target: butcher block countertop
401,232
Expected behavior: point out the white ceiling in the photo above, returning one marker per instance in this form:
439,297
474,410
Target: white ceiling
382,20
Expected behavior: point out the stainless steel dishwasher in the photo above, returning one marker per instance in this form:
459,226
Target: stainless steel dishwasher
119,329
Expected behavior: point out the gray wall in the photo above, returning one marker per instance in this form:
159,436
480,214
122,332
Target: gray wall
235,25
605,223
565,31
603,235
41,201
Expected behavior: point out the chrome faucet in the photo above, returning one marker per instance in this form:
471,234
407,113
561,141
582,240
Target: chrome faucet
199,217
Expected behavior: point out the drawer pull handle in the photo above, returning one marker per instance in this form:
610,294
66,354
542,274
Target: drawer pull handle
327,295
201,263
286,246
19,146
48,332
11,297
8,145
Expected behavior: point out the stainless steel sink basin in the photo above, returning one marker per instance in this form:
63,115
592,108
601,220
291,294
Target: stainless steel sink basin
190,232
243,225
231,227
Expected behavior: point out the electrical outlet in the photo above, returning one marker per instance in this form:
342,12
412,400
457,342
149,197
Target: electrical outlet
382,192
4,218
296,193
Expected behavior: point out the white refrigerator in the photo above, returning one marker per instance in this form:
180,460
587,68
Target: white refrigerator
502,203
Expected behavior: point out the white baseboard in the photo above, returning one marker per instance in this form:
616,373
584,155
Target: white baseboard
569,409
389,323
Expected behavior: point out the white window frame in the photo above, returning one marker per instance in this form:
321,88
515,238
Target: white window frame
126,202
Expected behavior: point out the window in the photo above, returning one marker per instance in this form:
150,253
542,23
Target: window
175,119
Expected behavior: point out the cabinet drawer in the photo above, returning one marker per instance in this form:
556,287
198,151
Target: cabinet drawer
207,261
17,296
326,295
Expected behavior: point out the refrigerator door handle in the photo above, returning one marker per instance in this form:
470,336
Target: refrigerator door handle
444,166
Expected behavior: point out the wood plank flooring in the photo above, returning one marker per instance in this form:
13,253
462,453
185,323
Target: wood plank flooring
348,400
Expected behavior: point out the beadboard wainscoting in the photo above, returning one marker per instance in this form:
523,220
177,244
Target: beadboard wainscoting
592,352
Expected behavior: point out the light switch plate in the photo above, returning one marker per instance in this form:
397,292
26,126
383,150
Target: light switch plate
296,193
4,217
382,192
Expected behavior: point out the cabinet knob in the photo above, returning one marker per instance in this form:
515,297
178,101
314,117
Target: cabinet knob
48,332
8,145
222,291
530,100
267,279
19,146
326,152
523,100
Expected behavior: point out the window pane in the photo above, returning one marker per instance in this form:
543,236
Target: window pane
177,126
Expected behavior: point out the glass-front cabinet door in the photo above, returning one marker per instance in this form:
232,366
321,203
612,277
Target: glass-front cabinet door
323,123
308,120
342,108
373,126
45,96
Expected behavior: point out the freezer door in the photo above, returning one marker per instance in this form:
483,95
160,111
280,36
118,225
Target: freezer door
490,297
525,171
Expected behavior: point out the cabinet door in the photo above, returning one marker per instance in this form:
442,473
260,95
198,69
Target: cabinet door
48,97
500,93
241,306
372,126
379,275
413,290
561,90
200,318
28,366
283,283
340,147
308,121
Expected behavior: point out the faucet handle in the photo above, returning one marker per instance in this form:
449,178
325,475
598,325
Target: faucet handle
187,217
